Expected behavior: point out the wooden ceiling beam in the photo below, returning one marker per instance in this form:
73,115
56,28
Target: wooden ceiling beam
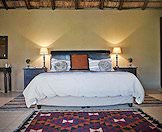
76,4
101,4
53,4
120,4
145,4
27,3
5,4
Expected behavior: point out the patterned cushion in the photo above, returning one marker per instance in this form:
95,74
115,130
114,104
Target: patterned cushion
100,65
99,56
105,65
93,65
61,57
60,65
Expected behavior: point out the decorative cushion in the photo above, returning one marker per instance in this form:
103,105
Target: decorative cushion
99,56
79,62
100,65
93,65
60,65
105,65
61,57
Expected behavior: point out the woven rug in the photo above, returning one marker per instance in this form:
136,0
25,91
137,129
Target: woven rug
150,102
18,103
98,121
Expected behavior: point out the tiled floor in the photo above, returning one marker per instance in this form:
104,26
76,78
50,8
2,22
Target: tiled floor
10,120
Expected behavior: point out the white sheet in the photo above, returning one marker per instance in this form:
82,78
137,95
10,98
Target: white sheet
88,84
85,101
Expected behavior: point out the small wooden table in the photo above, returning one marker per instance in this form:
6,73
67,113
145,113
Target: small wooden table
7,75
30,73
127,69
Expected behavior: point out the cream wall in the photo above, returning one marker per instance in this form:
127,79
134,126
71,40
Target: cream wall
136,31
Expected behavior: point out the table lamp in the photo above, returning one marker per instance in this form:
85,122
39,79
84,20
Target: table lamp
44,51
117,50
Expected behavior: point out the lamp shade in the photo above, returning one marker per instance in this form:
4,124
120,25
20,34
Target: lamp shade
116,50
44,51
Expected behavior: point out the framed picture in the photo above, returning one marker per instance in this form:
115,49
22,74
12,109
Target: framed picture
3,47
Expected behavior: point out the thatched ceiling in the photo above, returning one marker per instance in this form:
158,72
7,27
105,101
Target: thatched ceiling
81,4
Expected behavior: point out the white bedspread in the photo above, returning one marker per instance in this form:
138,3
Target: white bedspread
88,84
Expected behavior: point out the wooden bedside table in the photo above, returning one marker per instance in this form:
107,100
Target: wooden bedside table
7,77
127,69
30,73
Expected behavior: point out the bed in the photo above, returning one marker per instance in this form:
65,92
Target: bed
76,80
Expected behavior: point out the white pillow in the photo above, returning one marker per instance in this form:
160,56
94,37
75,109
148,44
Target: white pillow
60,65
100,65
105,65
93,65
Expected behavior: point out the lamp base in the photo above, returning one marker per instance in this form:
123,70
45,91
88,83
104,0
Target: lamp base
116,67
45,69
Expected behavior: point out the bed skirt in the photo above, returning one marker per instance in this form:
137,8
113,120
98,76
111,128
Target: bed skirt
85,101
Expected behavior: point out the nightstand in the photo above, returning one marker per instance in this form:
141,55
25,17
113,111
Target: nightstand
127,69
30,73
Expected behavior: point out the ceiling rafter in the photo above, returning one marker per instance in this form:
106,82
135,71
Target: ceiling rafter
121,2
145,4
82,4
5,4
53,4
101,4
27,3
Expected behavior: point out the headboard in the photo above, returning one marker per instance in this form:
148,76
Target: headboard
88,52
79,58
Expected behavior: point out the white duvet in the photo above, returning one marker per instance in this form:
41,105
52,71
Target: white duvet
87,84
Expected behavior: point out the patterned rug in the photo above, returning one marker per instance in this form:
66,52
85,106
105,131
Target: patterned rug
150,102
18,103
99,121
